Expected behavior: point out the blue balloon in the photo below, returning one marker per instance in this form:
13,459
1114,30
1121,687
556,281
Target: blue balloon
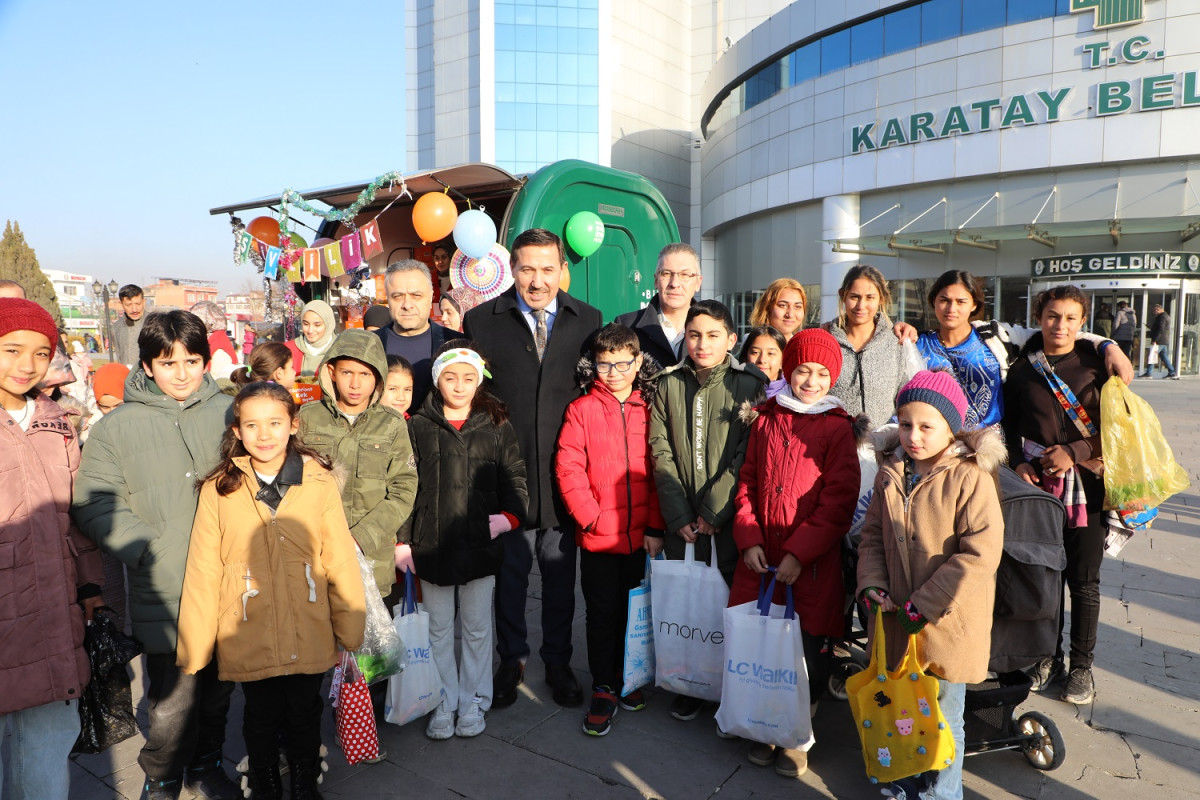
474,233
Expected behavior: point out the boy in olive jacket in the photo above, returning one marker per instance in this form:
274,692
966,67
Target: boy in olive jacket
367,439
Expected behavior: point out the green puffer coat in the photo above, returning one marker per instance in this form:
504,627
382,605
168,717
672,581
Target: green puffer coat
135,494
381,475
698,438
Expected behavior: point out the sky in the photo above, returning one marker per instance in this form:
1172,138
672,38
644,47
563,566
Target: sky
124,122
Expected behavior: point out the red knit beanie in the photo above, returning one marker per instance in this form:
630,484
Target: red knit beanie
813,346
17,314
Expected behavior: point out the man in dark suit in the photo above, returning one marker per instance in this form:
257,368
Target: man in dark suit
412,334
532,336
659,326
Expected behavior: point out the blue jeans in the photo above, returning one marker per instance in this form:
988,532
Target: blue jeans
952,698
1164,359
42,738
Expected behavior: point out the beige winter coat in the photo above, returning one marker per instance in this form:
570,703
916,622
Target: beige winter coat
939,547
302,565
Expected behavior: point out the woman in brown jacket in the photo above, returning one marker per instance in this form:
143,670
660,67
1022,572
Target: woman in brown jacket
931,544
272,583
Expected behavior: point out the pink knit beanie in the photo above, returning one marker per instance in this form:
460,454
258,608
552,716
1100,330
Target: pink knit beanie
939,389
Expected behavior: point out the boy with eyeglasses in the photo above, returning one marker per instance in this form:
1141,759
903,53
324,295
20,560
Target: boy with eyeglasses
605,474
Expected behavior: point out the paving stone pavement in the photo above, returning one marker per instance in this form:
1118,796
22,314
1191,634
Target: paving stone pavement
1140,739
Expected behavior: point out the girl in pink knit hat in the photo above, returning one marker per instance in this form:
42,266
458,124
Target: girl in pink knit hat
930,546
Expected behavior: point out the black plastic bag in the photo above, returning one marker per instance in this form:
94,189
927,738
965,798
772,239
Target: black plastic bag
106,707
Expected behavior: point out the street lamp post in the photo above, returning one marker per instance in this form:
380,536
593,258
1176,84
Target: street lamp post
100,289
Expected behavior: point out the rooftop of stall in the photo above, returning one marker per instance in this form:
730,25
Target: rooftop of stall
485,185
616,278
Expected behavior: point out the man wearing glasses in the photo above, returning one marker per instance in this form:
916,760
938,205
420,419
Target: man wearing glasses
659,326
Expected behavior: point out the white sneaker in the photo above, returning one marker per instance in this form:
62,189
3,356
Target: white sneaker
441,722
470,722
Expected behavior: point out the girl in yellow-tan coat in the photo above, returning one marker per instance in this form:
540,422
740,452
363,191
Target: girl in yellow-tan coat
272,583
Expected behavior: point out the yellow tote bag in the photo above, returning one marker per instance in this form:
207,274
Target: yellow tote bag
897,714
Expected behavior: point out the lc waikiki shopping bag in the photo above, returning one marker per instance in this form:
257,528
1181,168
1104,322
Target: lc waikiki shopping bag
638,670
689,639
764,697
418,690
897,714
356,732
1140,471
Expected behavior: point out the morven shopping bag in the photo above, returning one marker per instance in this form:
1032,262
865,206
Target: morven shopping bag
688,614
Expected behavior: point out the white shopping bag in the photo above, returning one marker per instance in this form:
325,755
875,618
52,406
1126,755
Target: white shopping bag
765,697
689,638
1152,356
638,669
418,690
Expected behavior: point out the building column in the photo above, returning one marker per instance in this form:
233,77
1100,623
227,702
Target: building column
839,220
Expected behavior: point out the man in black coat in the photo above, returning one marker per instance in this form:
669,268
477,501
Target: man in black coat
659,326
412,334
532,336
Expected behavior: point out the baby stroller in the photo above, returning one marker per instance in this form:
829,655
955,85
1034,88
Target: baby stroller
1024,627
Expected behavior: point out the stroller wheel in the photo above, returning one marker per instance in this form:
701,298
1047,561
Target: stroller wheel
842,671
1045,748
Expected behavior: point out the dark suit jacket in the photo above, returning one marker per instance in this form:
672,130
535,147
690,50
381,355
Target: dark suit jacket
537,395
644,323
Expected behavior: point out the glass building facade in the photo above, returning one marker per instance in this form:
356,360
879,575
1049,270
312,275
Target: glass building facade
881,35
547,82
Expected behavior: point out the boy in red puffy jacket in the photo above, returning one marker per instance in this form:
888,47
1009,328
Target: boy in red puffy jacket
605,474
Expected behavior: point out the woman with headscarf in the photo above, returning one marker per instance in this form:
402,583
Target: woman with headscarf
317,331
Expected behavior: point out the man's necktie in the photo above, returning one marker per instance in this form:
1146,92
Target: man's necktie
540,332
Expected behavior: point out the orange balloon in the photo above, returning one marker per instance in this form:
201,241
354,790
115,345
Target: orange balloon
265,229
434,215
564,282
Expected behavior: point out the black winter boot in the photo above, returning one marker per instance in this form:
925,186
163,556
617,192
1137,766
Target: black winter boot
260,781
162,790
306,773
206,777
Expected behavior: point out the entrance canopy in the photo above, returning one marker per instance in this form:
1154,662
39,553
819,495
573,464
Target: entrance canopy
911,238
480,182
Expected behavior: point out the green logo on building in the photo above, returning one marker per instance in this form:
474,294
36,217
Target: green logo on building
1111,13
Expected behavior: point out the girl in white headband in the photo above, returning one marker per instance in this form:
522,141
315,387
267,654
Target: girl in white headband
471,490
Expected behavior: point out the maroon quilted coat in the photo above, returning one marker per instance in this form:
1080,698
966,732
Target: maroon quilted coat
43,562
604,470
797,491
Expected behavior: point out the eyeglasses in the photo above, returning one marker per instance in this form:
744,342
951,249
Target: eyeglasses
605,367
683,276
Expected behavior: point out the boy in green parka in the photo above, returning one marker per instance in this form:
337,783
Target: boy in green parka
698,439
369,441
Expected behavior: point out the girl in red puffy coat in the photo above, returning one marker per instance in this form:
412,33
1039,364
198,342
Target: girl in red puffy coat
798,487
606,476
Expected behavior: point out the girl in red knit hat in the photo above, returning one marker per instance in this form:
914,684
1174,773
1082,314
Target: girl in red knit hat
798,486
47,568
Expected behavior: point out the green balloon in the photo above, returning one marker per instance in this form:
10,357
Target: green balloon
585,233
297,241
